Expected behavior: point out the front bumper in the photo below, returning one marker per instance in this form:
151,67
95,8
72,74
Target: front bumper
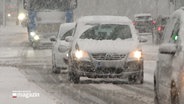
110,69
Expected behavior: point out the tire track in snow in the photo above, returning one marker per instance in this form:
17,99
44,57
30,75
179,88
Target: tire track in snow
128,91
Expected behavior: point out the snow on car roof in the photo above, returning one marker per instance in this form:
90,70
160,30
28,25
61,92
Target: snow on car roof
65,27
104,19
142,14
179,13
86,20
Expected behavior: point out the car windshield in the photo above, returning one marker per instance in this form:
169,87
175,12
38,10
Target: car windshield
107,32
164,21
68,33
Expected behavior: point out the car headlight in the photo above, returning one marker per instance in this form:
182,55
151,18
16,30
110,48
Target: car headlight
79,54
21,16
136,54
32,34
67,55
36,37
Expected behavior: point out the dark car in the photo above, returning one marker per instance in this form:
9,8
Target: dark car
144,23
160,25
169,75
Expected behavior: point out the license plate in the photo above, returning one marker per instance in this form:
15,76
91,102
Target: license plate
98,64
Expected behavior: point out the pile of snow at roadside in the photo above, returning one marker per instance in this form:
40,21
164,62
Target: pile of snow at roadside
11,28
11,80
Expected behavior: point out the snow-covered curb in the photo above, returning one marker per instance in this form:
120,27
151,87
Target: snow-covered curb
12,81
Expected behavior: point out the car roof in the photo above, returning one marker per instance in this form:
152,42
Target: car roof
104,19
64,27
123,20
179,13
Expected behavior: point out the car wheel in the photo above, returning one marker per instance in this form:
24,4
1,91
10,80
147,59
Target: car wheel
156,100
55,69
174,94
155,91
34,45
136,79
74,77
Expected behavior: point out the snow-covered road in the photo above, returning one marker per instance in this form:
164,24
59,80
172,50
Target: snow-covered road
24,68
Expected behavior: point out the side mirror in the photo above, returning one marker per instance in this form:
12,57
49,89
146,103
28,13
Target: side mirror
69,39
168,48
53,39
142,40
63,48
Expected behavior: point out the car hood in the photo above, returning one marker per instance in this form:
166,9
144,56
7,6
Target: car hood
107,46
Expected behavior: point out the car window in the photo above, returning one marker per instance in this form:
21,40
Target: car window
145,18
107,32
175,32
169,29
68,33
164,21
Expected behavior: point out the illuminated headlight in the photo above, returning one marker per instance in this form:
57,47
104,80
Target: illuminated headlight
136,54
21,16
32,34
67,55
36,37
79,54
9,15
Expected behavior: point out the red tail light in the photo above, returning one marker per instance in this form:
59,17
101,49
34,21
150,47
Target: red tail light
153,22
159,28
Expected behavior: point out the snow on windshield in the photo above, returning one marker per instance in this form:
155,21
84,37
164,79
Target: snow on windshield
107,32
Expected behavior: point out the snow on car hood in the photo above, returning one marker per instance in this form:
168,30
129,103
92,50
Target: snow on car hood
107,46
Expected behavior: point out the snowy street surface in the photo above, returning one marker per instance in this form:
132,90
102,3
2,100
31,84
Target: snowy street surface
23,68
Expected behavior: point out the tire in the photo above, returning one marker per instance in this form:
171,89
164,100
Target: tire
34,45
55,69
174,94
155,92
156,100
136,79
139,77
74,77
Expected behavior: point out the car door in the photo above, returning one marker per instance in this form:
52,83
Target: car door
165,61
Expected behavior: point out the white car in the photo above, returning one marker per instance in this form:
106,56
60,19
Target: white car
105,47
169,75
61,46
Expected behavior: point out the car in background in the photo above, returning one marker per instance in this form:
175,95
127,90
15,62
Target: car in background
144,23
106,47
169,75
160,25
61,46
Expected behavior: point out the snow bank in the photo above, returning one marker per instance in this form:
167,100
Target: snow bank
11,29
12,80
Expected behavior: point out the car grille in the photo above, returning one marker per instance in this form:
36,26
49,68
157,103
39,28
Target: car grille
107,56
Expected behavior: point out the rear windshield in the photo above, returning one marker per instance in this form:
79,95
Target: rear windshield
144,18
